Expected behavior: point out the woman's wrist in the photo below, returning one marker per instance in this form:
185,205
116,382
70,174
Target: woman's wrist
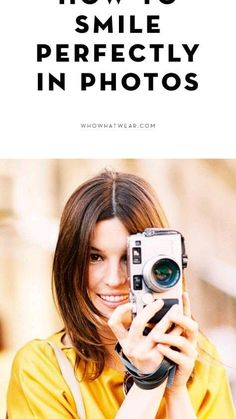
178,403
176,392
141,403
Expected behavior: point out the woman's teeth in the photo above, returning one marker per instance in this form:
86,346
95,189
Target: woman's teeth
114,298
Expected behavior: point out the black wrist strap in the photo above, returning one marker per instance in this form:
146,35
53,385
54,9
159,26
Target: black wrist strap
165,370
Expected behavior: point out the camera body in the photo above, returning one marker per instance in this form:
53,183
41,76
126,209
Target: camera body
156,259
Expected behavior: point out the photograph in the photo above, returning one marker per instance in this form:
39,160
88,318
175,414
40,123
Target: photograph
116,279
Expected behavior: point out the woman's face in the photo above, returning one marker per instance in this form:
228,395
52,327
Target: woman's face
108,282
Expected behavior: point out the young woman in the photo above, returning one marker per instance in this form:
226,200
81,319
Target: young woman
92,292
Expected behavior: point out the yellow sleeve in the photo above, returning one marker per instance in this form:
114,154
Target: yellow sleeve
37,388
216,400
217,403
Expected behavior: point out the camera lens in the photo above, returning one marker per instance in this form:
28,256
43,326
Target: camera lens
160,274
166,273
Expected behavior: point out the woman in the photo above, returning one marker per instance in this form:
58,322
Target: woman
91,288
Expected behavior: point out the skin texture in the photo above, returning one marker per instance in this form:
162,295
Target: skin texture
107,267
108,279
108,290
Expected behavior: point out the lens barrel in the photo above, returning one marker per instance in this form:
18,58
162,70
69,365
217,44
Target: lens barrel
161,274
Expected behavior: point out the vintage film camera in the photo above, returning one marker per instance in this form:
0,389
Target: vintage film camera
156,259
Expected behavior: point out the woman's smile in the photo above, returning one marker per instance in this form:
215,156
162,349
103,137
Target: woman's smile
114,300
108,279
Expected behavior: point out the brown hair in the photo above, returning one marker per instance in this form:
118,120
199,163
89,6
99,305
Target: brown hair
109,194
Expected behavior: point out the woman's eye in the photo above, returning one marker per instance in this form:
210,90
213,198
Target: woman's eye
95,257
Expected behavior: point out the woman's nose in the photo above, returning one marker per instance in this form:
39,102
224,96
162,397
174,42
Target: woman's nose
116,275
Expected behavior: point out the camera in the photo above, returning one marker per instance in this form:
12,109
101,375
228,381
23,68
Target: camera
156,259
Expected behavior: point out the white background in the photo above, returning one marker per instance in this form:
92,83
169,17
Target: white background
188,124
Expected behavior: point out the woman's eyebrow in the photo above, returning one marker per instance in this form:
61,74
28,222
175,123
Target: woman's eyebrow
95,249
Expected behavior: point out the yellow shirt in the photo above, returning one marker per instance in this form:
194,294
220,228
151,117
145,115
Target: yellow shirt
38,390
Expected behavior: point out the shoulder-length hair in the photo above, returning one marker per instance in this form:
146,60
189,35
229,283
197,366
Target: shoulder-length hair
107,195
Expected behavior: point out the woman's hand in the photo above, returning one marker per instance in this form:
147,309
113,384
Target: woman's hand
147,352
179,347
142,351
175,337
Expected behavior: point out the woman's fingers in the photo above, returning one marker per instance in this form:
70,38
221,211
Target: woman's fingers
183,325
188,325
185,361
115,322
132,339
165,323
179,342
140,321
